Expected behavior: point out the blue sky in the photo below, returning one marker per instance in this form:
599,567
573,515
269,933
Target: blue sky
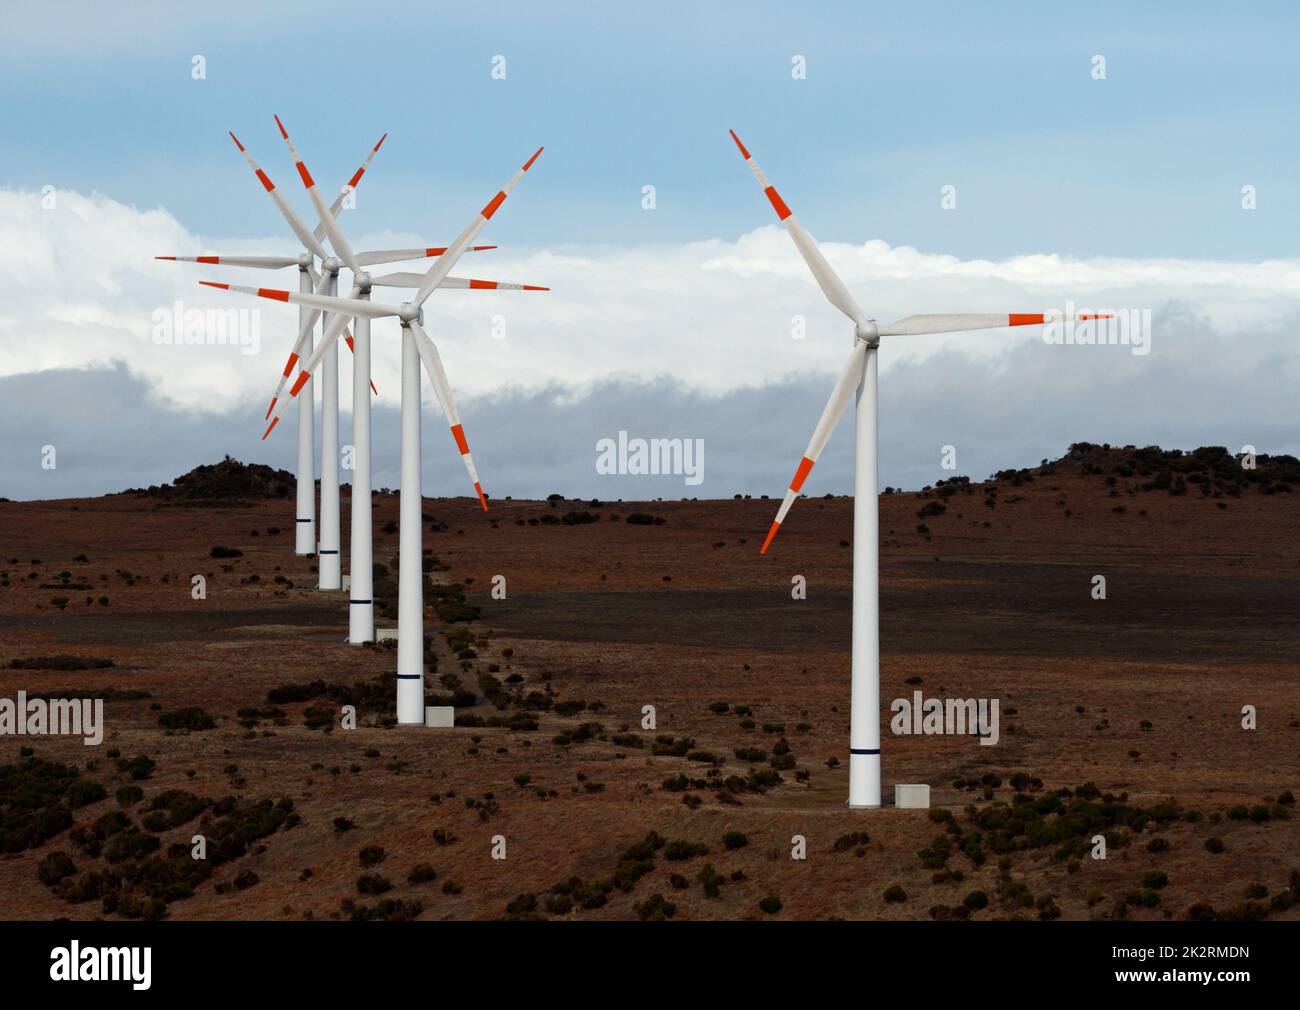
1120,193
899,100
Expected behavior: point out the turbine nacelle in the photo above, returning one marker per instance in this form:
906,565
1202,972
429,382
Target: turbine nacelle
306,260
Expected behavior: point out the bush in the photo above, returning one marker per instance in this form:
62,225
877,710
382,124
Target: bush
895,894
1214,845
373,883
371,855
54,868
734,840
1155,879
191,718
422,873
656,909
679,850
975,901
771,904
226,552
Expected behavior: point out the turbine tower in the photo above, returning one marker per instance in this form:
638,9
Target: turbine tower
858,382
416,348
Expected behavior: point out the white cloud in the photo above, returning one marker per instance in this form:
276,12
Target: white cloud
714,315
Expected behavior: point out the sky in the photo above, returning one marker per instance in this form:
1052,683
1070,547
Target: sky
1103,157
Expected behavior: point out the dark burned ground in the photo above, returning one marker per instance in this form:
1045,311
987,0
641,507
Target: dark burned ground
166,626
969,607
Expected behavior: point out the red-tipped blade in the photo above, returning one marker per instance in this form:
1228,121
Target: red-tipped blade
744,153
269,428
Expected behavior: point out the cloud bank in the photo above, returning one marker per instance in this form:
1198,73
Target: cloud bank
673,341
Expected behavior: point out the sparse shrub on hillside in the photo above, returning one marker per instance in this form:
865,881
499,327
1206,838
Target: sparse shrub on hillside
191,718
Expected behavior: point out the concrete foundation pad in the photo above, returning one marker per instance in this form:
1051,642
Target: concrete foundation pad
912,797
439,716
385,634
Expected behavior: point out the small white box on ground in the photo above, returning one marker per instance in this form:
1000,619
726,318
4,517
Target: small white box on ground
439,717
911,797
385,634
347,582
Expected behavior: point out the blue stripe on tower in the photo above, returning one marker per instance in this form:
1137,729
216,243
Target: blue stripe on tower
863,750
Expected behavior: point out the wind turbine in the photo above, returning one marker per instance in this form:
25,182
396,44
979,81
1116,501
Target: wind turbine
858,381
361,621
416,348
305,542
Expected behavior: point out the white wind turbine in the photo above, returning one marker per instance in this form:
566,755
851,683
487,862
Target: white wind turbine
309,279
416,347
859,381
361,620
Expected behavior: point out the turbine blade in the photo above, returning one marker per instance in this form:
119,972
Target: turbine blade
261,262
829,281
433,365
337,206
413,280
378,256
843,392
442,266
347,306
915,325
337,324
337,239
308,240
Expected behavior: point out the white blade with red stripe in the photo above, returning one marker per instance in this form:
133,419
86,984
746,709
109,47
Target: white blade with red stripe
843,392
260,262
915,325
347,306
337,239
442,266
343,309
321,283
337,206
378,256
337,325
829,281
413,280
308,240
433,365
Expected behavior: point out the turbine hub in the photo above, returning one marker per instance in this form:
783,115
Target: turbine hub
409,312
868,331
362,280
305,260
330,265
